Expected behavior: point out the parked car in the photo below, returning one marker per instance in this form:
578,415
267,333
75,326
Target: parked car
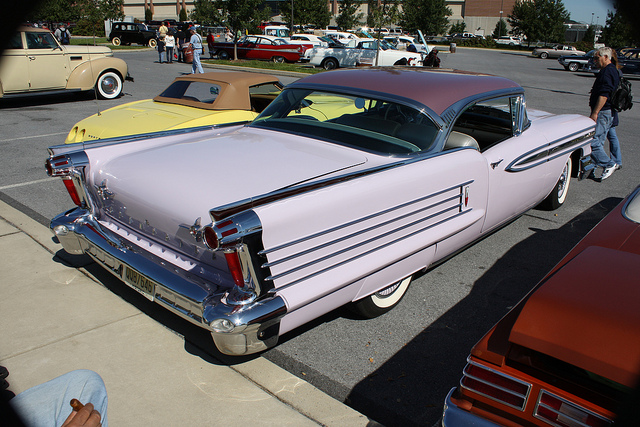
556,51
192,100
345,186
308,39
508,40
579,63
568,353
362,53
630,61
260,47
127,33
34,62
403,42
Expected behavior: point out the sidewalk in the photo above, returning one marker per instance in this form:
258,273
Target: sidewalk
57,318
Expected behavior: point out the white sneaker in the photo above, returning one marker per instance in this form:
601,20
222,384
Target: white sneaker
608,172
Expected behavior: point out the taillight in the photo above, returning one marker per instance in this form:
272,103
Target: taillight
210,238
71,188
560,412
235,268
495,385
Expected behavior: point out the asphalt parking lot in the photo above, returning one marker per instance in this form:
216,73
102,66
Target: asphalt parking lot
397,368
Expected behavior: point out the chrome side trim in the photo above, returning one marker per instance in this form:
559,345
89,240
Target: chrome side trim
550,151
524,397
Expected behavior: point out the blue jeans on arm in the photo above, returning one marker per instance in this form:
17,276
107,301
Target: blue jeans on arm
47,404
603,124
614,146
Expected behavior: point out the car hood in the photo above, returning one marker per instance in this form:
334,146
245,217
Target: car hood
149,116
587,315
172,185
74,50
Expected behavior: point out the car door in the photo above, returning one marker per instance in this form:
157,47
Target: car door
47,62
14,66
496,125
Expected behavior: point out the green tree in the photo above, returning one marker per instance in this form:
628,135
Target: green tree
430,16
243,15
306,12
618,32
183,15
93,13
501,29
382,13
539,20
348,17
458,28
148,16
55,11
206,12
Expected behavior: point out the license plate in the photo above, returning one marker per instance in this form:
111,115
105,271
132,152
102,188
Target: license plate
140,283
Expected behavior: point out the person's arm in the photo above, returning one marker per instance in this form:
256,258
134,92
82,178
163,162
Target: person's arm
597,107
85,417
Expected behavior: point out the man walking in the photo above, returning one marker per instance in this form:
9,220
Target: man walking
196,45
600,103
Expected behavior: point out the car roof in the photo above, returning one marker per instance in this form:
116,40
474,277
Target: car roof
234,89
436,89
23,28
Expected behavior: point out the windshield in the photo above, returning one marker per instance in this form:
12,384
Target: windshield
368,124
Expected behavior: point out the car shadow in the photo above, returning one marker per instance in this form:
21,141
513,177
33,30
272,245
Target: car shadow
49,99
409,388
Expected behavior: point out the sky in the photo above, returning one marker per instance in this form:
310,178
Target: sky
581,10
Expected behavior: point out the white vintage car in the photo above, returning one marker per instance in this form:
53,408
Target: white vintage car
35,63
361,52
347,184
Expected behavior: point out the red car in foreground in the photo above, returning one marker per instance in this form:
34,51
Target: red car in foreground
261,47
569,353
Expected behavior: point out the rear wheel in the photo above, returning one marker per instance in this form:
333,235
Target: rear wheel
222,54
544,55
278,59
383,300
116,41
109,85
573,66
153,43
559,194
330,64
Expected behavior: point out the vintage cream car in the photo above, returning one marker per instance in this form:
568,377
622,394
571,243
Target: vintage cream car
35,63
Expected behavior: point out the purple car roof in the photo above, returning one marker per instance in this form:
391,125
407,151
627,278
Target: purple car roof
437,89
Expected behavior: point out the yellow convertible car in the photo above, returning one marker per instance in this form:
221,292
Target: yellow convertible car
192,100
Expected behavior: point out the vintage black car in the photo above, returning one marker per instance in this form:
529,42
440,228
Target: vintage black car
130,32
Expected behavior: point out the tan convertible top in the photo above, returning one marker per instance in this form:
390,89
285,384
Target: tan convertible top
234,89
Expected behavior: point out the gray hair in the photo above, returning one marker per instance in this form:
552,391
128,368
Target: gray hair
605,51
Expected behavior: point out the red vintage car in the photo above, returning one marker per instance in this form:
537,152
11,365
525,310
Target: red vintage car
569,353
262,48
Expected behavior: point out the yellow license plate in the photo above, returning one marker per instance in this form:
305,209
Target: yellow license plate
140,283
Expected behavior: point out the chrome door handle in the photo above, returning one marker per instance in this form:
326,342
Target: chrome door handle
495,164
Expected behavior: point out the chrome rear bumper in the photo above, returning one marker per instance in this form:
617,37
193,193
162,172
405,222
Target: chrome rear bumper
454,416
255,326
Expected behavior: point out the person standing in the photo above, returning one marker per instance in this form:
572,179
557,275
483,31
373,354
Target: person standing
612,136
196,45
169,44
601,112
180,40
163,30
63,35
160,47
210,41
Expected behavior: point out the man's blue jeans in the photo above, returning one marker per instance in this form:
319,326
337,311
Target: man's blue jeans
603,124
614,146
196,66
47,404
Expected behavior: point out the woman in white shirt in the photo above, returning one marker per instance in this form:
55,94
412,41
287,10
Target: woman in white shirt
169,44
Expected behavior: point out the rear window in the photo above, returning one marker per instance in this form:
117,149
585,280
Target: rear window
193,91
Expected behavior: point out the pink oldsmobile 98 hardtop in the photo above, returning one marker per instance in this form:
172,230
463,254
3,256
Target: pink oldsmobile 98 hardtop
345,186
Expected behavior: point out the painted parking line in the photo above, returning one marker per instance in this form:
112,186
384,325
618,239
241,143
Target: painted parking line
22,184
34,136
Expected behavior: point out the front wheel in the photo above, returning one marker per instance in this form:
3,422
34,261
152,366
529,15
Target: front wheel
559,193
544,55
116,41
330,64
382,301
573,66
153,42
109,85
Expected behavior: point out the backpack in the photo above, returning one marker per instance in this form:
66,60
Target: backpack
622,98
64,36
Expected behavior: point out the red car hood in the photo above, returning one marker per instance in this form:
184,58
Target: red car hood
587,314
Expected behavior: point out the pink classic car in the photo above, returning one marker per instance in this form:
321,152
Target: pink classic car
346,185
